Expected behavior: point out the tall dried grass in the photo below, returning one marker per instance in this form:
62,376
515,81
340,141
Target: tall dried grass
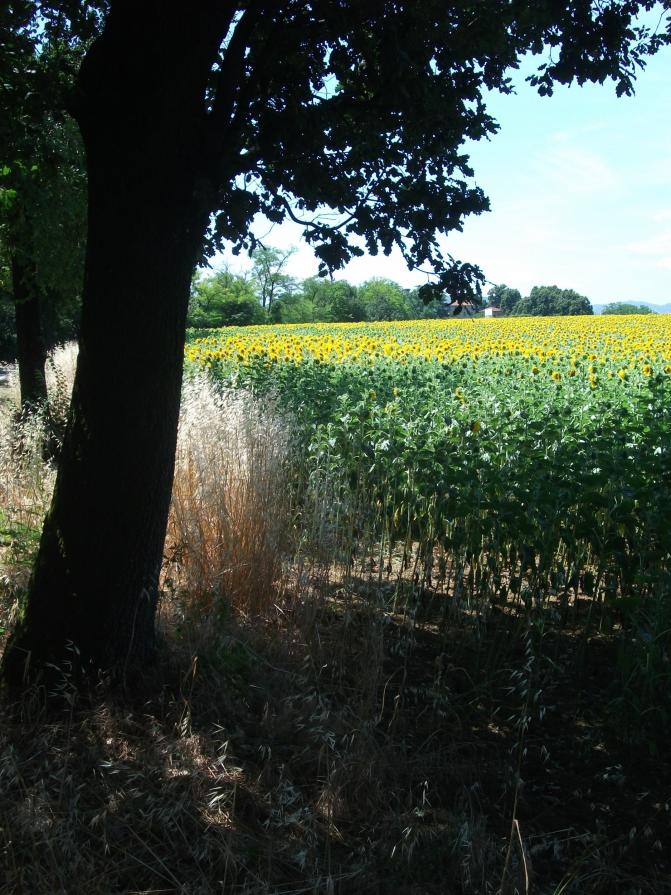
230,515
60,372
27,476
231,510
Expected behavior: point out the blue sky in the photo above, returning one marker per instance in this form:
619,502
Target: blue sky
580,191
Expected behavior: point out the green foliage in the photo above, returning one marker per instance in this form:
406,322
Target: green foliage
7,328
336,301
643,704
228,660
295,309
551,301
323,299
42,172
345,305
224,299
362,109
385,300
502,296
622,307
20,540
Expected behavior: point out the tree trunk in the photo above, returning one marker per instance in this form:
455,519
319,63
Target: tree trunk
94,585
31,355
93,594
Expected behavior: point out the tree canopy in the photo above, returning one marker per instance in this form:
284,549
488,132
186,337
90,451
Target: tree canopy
623,307
42,193
228,299
547,301
225,299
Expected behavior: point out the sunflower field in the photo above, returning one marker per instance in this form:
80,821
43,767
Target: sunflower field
513,461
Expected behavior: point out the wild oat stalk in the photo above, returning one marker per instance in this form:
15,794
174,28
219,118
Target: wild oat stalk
230,508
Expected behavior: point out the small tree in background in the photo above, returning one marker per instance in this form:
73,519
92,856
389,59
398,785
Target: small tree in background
268,272
551,301
624,307
318,299
225,299
384,299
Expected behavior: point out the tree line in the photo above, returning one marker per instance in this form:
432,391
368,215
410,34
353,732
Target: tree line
551,301
267,294
542,301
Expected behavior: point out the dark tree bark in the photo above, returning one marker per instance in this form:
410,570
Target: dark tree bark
93,594
31,354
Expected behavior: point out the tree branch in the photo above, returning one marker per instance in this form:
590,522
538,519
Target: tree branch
232,68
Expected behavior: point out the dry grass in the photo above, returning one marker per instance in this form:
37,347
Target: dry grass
26,479
60,372
253,772
230,516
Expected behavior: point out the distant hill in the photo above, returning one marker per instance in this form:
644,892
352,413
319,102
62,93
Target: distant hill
659,309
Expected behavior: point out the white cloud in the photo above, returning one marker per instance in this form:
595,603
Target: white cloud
572,169
659,244
572,133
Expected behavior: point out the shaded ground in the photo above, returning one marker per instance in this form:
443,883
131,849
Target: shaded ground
342,746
